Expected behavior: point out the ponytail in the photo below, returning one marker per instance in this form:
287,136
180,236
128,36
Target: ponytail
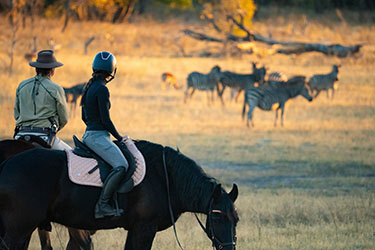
95,75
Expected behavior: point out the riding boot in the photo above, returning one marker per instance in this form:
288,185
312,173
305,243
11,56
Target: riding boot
103,207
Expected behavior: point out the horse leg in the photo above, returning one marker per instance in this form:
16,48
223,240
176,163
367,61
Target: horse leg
15,242
16,234
45,241
79,240
140,237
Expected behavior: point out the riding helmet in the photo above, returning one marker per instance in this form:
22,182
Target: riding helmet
104,61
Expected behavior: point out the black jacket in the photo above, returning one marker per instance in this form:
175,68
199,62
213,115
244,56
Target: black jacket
95,109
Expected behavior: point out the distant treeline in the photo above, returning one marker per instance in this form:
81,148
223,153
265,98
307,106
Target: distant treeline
120,10
321,5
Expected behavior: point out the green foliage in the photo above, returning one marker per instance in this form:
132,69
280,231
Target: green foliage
177,3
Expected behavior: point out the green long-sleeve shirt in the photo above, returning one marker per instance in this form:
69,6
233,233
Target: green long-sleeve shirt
37,99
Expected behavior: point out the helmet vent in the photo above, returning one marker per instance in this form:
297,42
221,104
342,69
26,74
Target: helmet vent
103,57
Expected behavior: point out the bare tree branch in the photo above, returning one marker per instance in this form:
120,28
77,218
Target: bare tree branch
213,22
67,14
289,47
241,26
87,43
199,36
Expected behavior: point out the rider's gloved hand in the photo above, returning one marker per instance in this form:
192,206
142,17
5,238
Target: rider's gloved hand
125,138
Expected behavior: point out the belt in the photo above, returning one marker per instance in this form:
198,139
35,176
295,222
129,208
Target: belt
34,129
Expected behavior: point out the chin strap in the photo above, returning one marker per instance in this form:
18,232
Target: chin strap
111,77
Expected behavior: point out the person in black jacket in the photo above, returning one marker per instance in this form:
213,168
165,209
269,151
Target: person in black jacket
95,113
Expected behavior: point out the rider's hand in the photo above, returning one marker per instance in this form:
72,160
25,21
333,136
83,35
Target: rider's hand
125,138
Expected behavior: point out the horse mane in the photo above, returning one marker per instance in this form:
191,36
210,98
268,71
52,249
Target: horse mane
186,176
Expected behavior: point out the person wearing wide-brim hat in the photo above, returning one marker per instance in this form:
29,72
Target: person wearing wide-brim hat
40,108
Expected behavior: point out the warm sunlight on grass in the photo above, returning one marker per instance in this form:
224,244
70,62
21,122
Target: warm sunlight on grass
307,185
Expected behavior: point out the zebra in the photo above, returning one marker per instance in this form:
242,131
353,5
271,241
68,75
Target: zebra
325,82
277,77
265,97
240,82
274,79
203,82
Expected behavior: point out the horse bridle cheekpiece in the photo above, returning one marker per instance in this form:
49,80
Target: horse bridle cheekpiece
210,229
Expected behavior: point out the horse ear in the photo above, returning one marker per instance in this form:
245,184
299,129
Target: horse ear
217,192
178,150
233,194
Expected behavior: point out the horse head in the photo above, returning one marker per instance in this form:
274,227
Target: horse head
222,218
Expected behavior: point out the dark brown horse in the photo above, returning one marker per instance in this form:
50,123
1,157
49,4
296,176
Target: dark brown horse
35,189
79,239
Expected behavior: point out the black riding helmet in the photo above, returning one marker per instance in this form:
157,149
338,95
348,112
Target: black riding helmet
105,62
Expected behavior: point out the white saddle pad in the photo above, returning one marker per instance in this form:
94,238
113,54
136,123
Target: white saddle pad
78,167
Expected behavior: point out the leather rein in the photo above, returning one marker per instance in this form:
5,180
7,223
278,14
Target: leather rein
209,231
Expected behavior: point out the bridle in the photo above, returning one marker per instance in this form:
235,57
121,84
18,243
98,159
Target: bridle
211,232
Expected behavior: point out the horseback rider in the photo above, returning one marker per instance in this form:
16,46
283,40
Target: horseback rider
95,113
40,108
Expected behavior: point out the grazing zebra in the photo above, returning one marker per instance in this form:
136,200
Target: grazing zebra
168,79
203,82
325,82
240,82
265,97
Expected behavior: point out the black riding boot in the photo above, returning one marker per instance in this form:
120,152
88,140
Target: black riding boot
103,208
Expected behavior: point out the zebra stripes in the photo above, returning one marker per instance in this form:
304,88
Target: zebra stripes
325,82
202,82
240,82
264,97
277,77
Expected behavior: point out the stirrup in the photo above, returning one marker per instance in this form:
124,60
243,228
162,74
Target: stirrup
99,213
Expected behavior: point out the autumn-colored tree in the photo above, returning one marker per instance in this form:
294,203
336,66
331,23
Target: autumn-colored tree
219,13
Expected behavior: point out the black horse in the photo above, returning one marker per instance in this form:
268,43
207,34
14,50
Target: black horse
78,239
35,190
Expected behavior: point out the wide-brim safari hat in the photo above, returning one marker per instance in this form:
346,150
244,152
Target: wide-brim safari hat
46,60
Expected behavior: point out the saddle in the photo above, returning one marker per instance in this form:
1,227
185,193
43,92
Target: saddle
84,151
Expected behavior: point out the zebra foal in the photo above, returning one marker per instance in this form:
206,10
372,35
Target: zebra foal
325,82
203,82
240,82
264,97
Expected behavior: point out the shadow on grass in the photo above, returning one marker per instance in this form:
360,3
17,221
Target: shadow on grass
322,177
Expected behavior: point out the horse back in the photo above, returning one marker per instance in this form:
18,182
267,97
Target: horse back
35,168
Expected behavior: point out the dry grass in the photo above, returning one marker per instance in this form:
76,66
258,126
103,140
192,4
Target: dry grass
308,185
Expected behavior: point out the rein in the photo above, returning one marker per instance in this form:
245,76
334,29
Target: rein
210,231
169,199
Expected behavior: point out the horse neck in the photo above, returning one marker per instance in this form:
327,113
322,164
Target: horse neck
191,188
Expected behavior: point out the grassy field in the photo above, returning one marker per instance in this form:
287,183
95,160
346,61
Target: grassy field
307,185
